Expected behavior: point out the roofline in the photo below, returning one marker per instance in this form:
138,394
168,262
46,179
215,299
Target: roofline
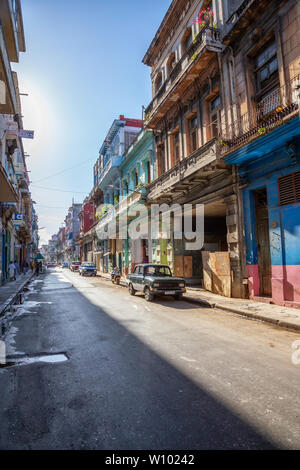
161,26
116,123
22,46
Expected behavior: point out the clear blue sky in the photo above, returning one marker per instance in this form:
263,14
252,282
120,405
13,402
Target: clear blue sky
82,69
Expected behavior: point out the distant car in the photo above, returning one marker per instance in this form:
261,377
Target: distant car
153,280
51,265
74,266
65,265
87,269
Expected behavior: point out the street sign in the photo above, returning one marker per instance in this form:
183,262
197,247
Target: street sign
26,134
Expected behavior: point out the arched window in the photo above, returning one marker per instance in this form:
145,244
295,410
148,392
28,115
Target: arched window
158,82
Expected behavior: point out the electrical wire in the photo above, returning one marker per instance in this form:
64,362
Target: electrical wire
59,190
52,207
63,171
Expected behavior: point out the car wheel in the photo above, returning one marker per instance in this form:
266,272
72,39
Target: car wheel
148,295
118,281
131,289
178,297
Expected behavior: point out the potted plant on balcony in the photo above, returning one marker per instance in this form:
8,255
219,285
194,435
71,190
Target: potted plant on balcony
205,18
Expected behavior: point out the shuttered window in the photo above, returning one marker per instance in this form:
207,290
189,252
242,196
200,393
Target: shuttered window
289,188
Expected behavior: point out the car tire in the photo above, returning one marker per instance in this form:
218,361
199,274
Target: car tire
118,281
178,297
148,295
131,289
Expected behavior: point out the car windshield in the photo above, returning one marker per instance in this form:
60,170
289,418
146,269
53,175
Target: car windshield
76,262
88,264
158,271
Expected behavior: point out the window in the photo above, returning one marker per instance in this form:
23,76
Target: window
158,82
125,188
176,147
161,159
193,133
128,139
187,40
289,188
266,67
214,116
148,172
136,178
157,270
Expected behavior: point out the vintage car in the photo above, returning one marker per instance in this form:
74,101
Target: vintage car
51,265
87,269
154,280
74,266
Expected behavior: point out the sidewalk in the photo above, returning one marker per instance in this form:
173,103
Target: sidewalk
284,317
10,290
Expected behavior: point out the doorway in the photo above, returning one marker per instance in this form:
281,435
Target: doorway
263,242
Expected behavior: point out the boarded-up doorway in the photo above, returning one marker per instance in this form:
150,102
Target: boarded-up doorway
216,272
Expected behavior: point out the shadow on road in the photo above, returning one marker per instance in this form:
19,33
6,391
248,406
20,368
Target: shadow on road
115,392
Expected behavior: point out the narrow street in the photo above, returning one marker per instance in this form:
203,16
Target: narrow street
139,375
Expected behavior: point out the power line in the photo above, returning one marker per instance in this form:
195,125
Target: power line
63,171
59,190
52,207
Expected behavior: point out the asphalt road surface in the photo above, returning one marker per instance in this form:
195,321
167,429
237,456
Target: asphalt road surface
139,375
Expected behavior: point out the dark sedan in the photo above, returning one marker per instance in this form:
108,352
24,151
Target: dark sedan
87,269
153,280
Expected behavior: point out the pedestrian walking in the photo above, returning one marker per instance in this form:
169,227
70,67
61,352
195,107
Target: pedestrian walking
32,265
37,268
17,267
25,267
12,271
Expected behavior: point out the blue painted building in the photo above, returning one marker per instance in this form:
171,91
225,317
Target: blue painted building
107,178
269,167
137,171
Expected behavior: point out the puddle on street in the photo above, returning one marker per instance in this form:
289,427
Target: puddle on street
42,358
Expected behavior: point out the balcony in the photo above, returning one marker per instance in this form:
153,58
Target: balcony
245,13
8,102
189,172
275,109
109,172
11,16
191,64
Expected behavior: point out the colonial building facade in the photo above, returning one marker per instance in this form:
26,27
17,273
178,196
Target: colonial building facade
261,137
225,73
18,220
188,102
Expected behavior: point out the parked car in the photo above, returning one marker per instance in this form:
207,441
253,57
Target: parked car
74,266
87,269
154,280
51,265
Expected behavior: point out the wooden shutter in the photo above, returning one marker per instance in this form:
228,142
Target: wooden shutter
289,188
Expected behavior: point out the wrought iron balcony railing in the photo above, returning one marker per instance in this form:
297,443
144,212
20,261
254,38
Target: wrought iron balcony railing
270,112
207,35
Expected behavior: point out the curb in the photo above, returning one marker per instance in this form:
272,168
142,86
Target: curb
285,324
245,313
13,297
